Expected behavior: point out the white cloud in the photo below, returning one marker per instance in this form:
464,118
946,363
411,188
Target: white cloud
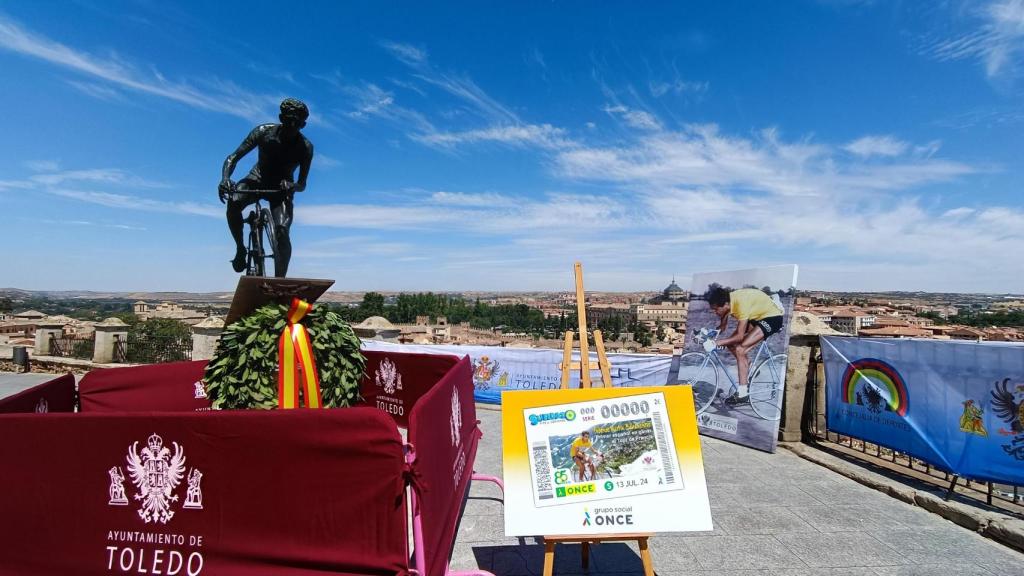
487,199
371,101
98,91
502,124
42,165
544,136
998,42
212,95
407,53
868,146
96,175
456,85
129,202
322,160
638,119
700,156
15,185
86,223
677,86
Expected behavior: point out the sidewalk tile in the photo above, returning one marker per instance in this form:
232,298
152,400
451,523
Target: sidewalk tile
847,549
738,552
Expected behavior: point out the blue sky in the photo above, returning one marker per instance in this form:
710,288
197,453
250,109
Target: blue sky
486,146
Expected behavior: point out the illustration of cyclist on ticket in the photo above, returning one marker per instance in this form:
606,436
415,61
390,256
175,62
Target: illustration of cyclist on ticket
580,454
757,315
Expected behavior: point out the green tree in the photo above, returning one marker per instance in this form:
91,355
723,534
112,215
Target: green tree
372,305
641,334
159,340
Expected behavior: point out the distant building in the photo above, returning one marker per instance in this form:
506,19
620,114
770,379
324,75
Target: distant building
964,333
850,322
671,294
896,332
599,312
377,328
144,311
29,315
669,308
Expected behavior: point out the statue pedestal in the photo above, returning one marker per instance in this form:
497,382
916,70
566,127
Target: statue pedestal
255,291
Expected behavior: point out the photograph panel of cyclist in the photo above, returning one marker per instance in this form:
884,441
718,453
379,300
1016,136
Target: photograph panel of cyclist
734,357
757,315
281,149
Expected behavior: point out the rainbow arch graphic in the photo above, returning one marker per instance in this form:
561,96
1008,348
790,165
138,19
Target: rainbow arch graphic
882,375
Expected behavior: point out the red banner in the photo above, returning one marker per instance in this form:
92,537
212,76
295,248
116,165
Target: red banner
395,381
250,493
443,429
57,395
171,387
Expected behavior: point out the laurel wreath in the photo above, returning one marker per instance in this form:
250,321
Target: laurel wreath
244,368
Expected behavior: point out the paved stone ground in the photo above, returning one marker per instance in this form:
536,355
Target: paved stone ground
774,514
14,383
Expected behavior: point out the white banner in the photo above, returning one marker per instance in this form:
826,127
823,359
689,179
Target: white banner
496,369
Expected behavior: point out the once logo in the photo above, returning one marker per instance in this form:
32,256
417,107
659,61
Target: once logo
575,490
613,519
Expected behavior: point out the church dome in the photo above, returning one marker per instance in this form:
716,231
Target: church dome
673,291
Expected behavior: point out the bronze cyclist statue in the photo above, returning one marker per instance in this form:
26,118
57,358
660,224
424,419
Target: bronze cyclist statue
282,149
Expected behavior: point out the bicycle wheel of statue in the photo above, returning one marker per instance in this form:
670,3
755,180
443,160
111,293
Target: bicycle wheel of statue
764,298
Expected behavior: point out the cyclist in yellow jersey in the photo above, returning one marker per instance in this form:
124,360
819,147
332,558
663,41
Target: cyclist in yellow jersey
748,306
579,449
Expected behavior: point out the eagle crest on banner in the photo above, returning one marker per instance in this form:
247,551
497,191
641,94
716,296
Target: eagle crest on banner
456,420
484,370
156,473
387,376
1008,405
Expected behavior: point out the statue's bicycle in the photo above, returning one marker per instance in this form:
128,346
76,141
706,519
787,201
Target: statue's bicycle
703,371
261,241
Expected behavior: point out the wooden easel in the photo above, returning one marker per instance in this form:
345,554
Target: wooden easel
584,365
585,540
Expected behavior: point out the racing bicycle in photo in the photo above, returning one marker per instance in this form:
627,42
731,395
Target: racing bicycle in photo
711,380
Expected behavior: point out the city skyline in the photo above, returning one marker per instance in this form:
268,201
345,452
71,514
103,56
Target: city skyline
485,148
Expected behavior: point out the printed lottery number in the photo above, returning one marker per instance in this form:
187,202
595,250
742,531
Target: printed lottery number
625,409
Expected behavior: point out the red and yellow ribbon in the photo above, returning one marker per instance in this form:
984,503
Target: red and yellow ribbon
296,360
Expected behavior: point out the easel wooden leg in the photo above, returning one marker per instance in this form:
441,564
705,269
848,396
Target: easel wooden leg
585,556
645,557
549,557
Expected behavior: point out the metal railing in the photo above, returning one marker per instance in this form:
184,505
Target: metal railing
1007,497
145,349
72,346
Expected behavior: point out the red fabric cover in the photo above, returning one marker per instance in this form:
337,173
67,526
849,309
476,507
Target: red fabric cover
169,387
57,395
444,461
296,492
417,372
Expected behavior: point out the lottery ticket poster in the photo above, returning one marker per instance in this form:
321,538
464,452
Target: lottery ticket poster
602,461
